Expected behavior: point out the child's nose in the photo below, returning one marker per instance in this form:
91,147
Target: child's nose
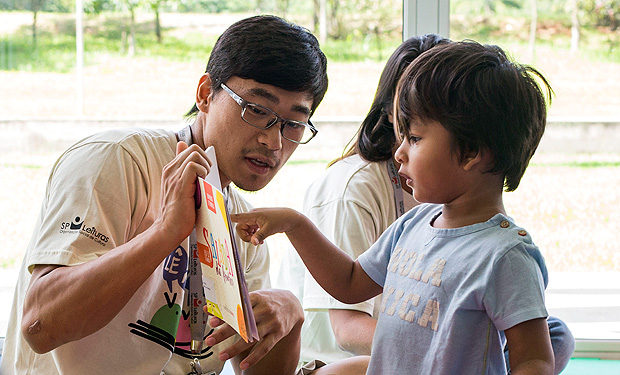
400,155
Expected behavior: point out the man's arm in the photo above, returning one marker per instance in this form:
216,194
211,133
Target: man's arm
529,348
353,330
96,291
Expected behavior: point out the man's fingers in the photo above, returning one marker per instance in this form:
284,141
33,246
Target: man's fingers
192,160
234,350
259,351
214,321
181,146
220,334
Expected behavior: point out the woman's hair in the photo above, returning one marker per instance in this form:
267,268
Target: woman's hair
269,50
488,103
375,139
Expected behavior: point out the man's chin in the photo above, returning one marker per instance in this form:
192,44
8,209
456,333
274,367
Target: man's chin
252,186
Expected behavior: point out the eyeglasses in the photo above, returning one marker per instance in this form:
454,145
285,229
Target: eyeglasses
263,118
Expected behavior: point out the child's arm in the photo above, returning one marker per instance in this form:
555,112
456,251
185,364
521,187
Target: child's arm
332,268
529,348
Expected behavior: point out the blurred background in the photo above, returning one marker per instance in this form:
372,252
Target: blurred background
142,60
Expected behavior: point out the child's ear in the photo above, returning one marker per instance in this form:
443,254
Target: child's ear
480,158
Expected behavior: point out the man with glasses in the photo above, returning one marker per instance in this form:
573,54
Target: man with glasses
104,277
264,118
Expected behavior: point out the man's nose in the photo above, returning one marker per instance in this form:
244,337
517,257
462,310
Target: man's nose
272,137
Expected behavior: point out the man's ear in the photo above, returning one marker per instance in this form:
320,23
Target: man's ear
204,93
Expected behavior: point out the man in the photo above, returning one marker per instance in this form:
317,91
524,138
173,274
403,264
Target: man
104,275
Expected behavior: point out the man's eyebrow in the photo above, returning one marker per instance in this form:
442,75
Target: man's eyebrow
260,92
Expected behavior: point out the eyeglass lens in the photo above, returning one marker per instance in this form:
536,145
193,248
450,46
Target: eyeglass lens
264,118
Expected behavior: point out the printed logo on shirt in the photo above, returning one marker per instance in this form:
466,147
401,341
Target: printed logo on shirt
394,301
162,327
169,325
79,226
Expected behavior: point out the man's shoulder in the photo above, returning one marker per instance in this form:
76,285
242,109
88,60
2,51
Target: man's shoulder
140,143
131,136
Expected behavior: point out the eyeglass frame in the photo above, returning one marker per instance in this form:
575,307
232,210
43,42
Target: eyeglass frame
244,103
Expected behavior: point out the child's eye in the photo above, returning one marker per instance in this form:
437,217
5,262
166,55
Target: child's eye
413,139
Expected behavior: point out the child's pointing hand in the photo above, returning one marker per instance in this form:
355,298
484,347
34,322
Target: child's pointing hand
258,224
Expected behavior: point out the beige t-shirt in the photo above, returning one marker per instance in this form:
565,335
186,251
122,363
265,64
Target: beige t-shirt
102,192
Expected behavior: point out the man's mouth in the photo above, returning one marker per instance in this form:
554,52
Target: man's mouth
261,163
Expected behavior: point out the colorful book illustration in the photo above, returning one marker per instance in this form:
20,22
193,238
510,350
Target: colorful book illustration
226,294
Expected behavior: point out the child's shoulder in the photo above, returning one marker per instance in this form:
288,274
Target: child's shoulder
508,230
513,241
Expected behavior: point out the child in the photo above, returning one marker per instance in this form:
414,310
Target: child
455,271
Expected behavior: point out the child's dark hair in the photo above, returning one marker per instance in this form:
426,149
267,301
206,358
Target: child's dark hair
270,50
486,101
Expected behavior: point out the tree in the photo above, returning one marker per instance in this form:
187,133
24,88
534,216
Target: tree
130,5
533,24
320,19
282,6
35,7
575,34
155,7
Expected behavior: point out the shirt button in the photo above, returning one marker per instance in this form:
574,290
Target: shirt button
522,233
504,224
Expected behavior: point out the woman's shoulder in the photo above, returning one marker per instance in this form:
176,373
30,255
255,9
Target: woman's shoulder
352,170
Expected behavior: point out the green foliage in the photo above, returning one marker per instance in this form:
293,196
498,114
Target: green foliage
55,53
55,50
214,6
98,6
361,30
602,13
353,49
38,5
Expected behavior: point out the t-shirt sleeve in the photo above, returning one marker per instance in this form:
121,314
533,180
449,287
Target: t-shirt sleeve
91,196
375,261
515,292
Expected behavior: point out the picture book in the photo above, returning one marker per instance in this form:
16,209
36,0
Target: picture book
225,289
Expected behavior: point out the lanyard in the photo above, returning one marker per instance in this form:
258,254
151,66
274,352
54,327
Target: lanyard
194,297
396,187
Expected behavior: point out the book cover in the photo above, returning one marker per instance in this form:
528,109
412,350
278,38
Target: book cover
225,290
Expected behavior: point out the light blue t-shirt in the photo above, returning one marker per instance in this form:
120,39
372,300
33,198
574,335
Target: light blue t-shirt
448,293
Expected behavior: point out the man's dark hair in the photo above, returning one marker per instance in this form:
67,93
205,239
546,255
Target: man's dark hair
269,50
486,101
375,139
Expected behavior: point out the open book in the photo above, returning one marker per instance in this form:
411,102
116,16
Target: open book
225,289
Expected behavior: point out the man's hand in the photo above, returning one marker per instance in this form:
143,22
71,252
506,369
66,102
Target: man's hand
279,317
178,186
